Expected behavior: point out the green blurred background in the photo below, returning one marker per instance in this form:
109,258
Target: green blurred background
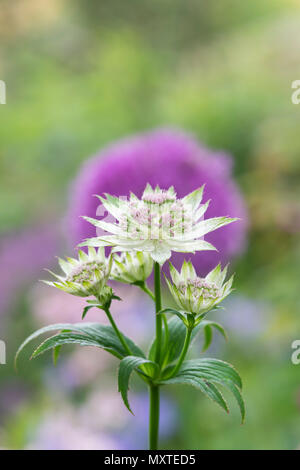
82,74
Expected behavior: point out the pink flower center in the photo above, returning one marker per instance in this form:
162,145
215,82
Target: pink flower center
199,287
85,272
159,198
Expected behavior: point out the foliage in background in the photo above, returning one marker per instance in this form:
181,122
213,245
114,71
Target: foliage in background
79,77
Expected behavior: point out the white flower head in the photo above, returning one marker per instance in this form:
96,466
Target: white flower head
86,275
158,223
195,294
131,268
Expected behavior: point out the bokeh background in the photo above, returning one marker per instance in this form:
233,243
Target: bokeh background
80,76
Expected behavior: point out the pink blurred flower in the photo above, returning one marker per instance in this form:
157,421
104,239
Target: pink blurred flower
63,431
22,258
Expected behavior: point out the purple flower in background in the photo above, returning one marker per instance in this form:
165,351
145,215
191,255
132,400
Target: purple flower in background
164,157
255,318
135,436
13,395
101,422
62,431
22,257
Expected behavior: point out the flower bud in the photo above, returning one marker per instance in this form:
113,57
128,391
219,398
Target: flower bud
131,268
86,275
198,295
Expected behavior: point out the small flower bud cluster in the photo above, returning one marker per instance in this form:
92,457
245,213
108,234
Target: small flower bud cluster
131,268
199,287
198,295
158,216
86,275
159,197
86,272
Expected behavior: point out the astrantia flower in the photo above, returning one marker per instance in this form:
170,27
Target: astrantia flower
158,223
86,275
131,268
195,294
163,157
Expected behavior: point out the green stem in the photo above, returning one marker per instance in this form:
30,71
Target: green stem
118,332
145,288
154,389
153,417
123,342
183,353
166,341
157,292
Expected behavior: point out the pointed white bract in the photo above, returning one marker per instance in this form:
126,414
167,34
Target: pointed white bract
131,267
158,223
86,275
198,295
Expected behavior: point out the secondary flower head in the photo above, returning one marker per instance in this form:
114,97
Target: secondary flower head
158,223
86,275
131,268
195,294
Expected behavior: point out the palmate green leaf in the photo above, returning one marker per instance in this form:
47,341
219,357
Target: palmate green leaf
127,366
64,338
179,314
203,373
224,369
56,352
208,336
85,310
208,388
102,335
177,332
176,337
208,327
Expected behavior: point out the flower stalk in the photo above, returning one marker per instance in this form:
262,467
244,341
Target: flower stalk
183,353
157,293
146,289
153,416
154,389
117,331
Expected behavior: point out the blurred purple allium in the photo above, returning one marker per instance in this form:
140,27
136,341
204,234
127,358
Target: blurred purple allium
13,395
136,435
164,157
254,320
63,431
101,422
22,257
